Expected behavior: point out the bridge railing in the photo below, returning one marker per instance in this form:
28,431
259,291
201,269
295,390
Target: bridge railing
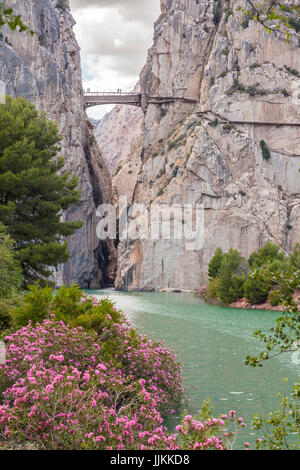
109,93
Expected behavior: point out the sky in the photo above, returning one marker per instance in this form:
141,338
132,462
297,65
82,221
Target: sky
114,37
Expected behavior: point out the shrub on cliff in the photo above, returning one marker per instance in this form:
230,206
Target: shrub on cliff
33,189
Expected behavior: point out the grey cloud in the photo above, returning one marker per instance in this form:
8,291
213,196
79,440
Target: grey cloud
114,42
131,10
123,36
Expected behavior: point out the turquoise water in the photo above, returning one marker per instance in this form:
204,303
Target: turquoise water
211,343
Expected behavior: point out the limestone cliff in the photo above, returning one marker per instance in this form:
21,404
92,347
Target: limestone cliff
236,152
120,139
45,68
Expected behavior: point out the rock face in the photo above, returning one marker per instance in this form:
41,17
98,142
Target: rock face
45,68
236,152
120,139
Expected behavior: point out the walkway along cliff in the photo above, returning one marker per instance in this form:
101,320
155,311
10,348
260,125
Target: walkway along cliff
236,151
45,68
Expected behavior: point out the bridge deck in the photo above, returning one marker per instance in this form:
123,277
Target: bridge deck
95,99
133,99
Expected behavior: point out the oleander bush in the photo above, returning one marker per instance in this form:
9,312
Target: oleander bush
63,387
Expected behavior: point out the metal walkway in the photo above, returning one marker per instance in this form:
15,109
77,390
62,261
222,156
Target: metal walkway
132,99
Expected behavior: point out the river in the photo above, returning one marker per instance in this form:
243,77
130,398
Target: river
211,343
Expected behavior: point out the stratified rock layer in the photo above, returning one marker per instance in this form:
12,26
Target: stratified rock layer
45,68
248,90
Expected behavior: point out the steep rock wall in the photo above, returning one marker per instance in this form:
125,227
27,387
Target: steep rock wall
210,154
45,68
120,139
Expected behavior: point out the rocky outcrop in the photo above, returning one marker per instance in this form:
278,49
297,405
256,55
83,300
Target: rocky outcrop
45,68
236,153
120,139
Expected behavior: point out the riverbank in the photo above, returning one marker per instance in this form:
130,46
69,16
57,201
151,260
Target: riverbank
211,343
245,305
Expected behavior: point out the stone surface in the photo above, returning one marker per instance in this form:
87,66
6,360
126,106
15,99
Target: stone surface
120,138
45,68
210,154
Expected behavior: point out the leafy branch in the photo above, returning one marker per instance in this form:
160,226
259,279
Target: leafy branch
286,332
276,11
14,22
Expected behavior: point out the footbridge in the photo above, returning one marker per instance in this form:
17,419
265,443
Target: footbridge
133,99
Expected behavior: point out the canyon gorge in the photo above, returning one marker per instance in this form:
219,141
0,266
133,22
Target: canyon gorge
236,152
234,149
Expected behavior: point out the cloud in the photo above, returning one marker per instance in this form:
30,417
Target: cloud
141,10
114,36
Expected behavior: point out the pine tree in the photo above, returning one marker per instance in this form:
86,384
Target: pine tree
33,188
10,271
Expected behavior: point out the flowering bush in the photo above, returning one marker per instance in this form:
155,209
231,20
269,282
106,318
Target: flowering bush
68,409
63,387
210,433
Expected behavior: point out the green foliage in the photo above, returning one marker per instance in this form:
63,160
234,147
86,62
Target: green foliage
285,92
181,140
228,127
215,263
282,425
213,289
163,112
286,332
227,272
7,305
225,51
62,5
232,276
214,123
295,24
295,257
268,253
10,270
275,298
231,279
117,171
66,305
236,86
227,15
274,15
8,17
33,188
256,289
